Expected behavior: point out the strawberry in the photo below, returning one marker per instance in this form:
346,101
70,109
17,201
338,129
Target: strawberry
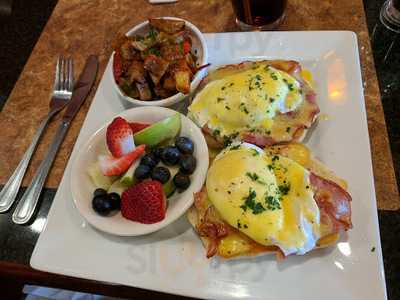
136,127
144,202
110,165
119,137
117,66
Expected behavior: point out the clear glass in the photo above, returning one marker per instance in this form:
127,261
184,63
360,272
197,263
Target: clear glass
385,35
259,14
390,15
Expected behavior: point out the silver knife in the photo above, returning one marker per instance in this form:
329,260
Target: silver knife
26,206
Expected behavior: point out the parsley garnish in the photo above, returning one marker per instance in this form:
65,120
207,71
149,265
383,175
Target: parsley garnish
243,108
234,147
250,202
255,177
284,188
155,51
228,139
252,176
287,129
275,157
219,99
273,76
255,152
238,224
271,100
152,34
227,107
272,202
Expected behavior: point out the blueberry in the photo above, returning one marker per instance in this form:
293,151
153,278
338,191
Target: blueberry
149,160
158,152
102,204
99,192
184,144
161,174
188,164
142,172
115,200
170,155
181,181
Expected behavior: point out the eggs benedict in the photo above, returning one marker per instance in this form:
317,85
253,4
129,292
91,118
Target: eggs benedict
275,200
263,102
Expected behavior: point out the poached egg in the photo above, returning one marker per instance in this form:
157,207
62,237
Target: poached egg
246,100
267,198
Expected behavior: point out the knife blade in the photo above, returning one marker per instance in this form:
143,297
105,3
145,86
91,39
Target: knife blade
82,87
27,205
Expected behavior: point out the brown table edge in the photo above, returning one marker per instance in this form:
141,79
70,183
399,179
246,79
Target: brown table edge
22,274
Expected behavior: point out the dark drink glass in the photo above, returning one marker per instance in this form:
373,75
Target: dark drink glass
259,14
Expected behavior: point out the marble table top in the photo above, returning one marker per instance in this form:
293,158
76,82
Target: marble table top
79,28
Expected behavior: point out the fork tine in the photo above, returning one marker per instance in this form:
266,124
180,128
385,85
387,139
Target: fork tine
70,76
57,75
62,71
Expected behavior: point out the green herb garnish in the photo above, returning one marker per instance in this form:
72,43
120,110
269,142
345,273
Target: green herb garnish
275,158
250,203
272,202
284,188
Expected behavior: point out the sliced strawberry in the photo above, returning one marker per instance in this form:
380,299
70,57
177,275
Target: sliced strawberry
136,127
119,137
117,66
110,165
144,202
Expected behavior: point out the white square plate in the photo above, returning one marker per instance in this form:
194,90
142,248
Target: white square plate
173,260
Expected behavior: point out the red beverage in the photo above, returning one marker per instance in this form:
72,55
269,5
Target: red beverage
259,14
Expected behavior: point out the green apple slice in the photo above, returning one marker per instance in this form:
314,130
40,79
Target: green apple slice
97,177
159,132
128,178
117,187
169,187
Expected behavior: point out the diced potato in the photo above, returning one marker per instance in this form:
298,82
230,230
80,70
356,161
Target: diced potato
177,38
156,66
172,52
144,91
118,41
129,89
182,79
169,82
168,26
128,52
136,72
191,62
162,92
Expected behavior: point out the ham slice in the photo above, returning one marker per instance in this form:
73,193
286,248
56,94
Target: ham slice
334,203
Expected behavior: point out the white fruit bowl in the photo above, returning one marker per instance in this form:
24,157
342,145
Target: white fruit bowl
82,187
200,47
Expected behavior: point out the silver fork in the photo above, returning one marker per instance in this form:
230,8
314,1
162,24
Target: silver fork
62,92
